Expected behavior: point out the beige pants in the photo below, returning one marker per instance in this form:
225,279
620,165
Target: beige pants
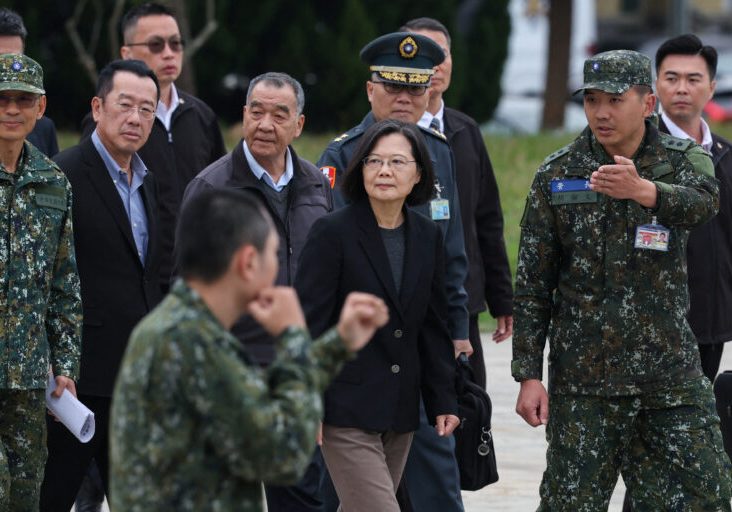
365,467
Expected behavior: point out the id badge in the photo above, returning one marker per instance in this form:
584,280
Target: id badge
653,237
440,209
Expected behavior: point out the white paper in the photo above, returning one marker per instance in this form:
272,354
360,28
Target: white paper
73,414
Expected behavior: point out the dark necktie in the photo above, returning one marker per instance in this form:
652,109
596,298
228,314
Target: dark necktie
435,124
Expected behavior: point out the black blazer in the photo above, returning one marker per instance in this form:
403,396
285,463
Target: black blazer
116,290
489,275
380,389
709,257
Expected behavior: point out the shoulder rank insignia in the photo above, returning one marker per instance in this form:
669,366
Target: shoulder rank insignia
670,142
557,154
340,137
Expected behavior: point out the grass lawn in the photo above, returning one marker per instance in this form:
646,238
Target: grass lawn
515,160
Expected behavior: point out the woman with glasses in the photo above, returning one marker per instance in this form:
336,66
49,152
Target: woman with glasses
377,244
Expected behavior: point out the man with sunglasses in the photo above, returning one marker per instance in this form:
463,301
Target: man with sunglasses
401,65
40,310
117,241
185,136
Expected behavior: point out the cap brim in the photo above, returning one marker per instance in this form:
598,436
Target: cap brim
608,87
20,86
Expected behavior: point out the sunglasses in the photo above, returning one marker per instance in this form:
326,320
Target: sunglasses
412,90
157,44
23,101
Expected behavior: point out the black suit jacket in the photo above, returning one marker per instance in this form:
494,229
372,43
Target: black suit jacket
489,275
709,257
379,390
116,290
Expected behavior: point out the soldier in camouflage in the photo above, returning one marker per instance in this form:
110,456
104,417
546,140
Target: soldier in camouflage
40,303
602,275
195,425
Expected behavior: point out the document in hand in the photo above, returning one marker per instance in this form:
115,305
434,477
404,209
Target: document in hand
73,414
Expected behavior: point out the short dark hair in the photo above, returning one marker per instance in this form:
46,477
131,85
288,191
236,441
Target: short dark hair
425,23
280,80
688,44
213,226
11,24
105,82
131,17
422,192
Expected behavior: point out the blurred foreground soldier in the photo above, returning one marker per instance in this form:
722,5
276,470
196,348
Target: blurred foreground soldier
41,306
401,65
195,426
601,274
12,40
685,70
117,245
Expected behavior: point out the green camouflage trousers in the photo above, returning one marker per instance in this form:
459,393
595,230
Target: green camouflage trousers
22,448
667,445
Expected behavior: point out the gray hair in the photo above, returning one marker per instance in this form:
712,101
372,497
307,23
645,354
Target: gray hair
279,80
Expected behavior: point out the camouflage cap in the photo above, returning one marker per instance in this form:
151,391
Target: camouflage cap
616,71
20,73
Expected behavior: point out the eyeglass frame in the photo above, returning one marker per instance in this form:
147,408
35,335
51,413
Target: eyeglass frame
7,100
172,42
127,109
398,88
389,163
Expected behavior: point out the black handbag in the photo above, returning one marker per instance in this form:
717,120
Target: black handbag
474,451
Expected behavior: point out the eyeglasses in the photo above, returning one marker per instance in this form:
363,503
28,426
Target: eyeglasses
23,101
412,90
126,108
157,44
396,163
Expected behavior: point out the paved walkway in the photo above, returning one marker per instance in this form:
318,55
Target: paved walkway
520,449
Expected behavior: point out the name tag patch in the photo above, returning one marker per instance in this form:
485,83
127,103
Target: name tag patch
52,197
568,191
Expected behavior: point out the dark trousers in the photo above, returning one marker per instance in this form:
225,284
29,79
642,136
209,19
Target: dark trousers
711,355
431,476
304,496
69,459
477,363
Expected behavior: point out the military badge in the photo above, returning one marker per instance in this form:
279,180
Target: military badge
17,66
408,48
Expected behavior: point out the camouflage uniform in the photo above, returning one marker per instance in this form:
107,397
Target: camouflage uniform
625,383
41,316
196,427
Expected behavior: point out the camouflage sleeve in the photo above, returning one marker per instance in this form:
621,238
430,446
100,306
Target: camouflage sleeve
536,279
263,424
693,196
63,312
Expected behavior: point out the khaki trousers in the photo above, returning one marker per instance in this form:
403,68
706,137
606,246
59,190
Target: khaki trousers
366,467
